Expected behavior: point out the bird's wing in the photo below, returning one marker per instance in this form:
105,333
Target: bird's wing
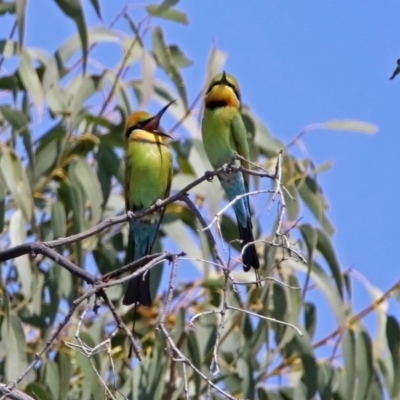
127,184
242,146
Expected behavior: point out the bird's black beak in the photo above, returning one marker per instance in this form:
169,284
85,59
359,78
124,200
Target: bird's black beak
153,123
159,133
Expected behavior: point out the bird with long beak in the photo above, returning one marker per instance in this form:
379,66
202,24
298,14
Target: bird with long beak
148,175
224,135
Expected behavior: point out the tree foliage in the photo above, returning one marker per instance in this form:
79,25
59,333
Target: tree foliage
211,333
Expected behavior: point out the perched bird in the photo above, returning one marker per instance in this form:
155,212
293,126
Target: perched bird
148,175
396,71
224,135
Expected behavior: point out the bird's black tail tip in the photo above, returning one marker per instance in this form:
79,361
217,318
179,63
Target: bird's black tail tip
249,256
138,291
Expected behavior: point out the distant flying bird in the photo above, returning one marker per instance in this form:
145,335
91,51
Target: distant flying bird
148,175
224,134
396,71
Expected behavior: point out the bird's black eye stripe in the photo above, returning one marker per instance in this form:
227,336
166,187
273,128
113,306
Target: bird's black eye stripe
139,125
222,82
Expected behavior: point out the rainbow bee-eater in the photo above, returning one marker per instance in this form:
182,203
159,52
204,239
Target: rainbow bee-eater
148,175
225,135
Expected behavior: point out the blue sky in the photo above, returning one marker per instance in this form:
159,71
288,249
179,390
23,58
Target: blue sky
300,63
305,62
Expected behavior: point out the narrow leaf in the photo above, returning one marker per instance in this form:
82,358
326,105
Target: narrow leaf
179,58
393,339
324,245
38,391
13,335
169,14
17,237
15,177
96,6
21,10
164,58
87,178
20,123
31,81
351,125
8,7
74,10
350,362
58,219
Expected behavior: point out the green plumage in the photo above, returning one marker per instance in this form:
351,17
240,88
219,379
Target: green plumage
224,135
148,174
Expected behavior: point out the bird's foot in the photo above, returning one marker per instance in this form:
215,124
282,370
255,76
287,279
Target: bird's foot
130,214
209,175
158,204
227,168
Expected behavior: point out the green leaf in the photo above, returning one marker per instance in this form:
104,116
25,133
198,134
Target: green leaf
301,345
260,133
215,63
15,177
393,340
167,13
47,153
77,206
58,219
110,162
310,318
326,380
96,6
246,376
31,81
106,258
20,123
267,395
98,34
176,231
11,84
65,368
310,238
324,245
89,182
351,125
13,335
56,283
21,10
164,58
165,5
36,298
81,90
3,194
23,264
52,378
7,7
8,48
365,365
328,289
311,194
73,9
196,357
179,58
381,306
349,352
148,71
38,391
